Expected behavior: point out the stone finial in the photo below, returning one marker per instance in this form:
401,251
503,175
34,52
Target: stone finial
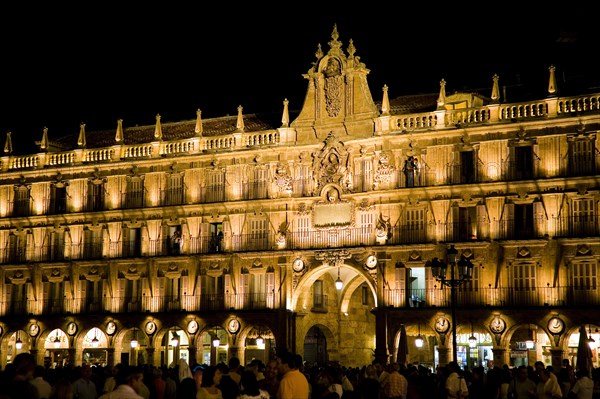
240,119
81,139
552,81
8,148
441,101
351,49
335,44
44,142
158,128
319,54
495,89
119,133
285,118
198,129
385,102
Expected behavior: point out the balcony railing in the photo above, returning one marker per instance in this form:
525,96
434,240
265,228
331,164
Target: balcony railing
173,196
427,175
133,200
408,233
577,226
309,239
320,303
496,297
254,190
143,303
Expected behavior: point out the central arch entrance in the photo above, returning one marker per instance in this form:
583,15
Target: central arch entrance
315,347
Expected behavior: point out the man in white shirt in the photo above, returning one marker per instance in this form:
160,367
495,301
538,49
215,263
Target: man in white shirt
456,386
44,388
583,387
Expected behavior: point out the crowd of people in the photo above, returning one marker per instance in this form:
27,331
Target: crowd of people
288,377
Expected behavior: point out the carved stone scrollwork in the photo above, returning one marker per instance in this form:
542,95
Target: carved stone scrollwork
334,84
383,229
333,258
332,165
282,179
384,172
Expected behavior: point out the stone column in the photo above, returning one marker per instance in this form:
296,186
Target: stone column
381,349
110,356
499,356
72,354
192,351
443,355
150,351
557,356
38,355
234,351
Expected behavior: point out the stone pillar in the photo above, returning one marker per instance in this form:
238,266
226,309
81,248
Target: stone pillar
443,355
499,356
38,355
234,351
78,358
192,351
381,349
150,351
72,355
557,356
110,356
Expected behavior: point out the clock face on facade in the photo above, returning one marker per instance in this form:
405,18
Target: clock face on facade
371,262
442,325
556,325
497,325
111,327
72,328
34,330
150,328
192,327
298,265
233,326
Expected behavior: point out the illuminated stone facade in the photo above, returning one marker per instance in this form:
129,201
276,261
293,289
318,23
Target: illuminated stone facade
195,228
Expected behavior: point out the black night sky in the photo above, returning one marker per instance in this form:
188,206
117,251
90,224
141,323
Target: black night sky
95,65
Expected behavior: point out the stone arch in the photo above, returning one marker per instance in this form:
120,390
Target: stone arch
512,329
332,343
312,275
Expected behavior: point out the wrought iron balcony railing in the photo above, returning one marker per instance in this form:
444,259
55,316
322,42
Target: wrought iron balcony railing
416,232
468,297
128,304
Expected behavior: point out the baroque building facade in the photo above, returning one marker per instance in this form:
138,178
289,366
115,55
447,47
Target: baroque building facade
210,238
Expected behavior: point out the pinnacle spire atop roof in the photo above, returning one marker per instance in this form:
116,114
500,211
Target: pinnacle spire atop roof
158,129
44,142
240,119
8,148
198,129
81,139
119,133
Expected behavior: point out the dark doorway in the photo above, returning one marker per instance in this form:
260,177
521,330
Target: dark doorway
315,347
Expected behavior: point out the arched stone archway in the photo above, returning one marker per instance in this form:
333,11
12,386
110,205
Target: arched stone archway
315,348
353,278
345,313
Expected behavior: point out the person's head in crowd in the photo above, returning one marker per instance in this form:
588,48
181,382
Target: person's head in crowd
249,383
130,375
24,366
286,362
211,377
